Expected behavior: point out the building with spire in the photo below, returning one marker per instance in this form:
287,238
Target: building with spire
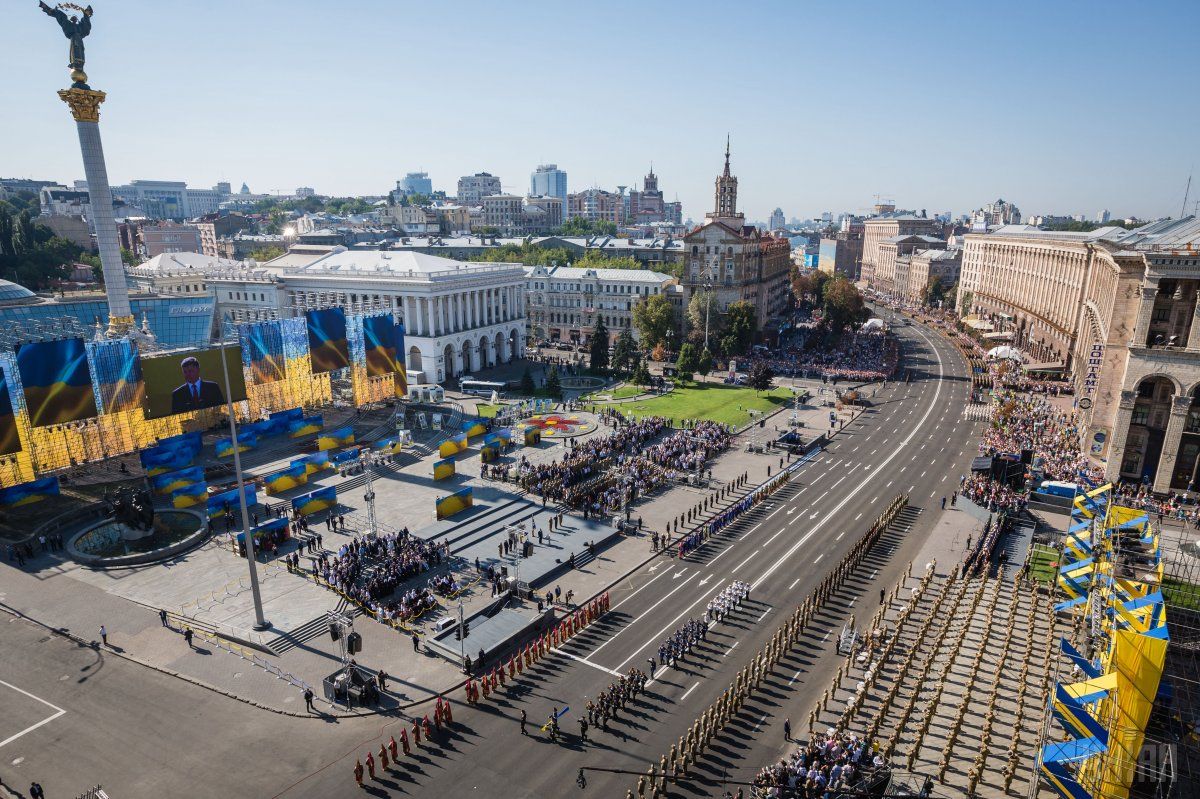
736,261
646,206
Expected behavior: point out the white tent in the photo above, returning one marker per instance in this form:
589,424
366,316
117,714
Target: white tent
874,323
1005,351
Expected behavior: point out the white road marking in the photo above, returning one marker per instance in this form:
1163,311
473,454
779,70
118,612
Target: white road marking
826,638
818,560
667,596
635,593
688,691
735,643
793,585
772,538
859,516
58,712
764,614
743,563
584,661
794,677
759,724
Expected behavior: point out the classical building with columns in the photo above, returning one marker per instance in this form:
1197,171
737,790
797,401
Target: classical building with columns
458,317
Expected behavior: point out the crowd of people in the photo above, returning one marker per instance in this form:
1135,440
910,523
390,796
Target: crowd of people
368,571
728,600
1032,422
679,643
860,356
609,703
828,764
991,494
588,459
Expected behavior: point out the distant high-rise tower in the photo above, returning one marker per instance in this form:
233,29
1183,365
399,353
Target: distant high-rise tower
1103,216
549,181
777,221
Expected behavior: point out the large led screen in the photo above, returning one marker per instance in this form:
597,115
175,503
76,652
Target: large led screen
264,352
379,344
327,340
58,384
10,440
192,381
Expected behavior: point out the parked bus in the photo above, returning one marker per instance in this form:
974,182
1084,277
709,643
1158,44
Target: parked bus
482,388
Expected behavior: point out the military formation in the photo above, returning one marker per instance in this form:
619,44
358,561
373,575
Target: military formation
608,704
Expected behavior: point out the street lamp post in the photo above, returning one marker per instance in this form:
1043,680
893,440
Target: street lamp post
707,309
369,497
260,623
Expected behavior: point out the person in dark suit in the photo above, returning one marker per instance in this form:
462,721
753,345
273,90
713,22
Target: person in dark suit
195,393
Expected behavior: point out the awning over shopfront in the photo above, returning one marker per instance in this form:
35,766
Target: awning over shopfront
1001,335
1049,366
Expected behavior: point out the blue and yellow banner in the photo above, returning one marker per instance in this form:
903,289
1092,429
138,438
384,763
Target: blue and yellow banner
173,481
401,360
455,503
505,435
346,456
443,469
262,347
489,453
118,374
246,441
342,437
158,461
286,416
313,463
327,344
287,479
319,500
218,503
266,527
10,439
306,426
474,427
379,345
191,442
533,436
453,445
26,493
57,381
389,446
191,495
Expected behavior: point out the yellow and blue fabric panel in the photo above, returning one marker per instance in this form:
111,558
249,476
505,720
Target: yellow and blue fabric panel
173,481
266,527
379,346
305,426
443,469
342,437
262,349
389,446
10,438
533,436
191,495
57,381
228,501
505,434
246,441
328,345
315,501
453,445
27,493
287,479
315,462
346,456
474,427
401,376
454,503
489,452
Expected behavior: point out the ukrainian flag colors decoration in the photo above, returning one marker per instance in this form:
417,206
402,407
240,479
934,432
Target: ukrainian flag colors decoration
246,441
345,456
533,436
264,528
173,481
262,350
443,469
401,379
314,463
10,439
453,445
191,495
474,427
327,344
286,480
379,345
57,381
171,454
1111,573
319,500
26,493
505,435
489,452
388,446
306,426
118,370
342,437
455,503
228,500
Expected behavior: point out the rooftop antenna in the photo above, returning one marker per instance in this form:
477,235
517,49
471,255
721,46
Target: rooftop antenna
1186,191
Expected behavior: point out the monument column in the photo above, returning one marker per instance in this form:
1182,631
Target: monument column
85,108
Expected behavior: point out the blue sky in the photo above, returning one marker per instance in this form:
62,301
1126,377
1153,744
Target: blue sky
1058,106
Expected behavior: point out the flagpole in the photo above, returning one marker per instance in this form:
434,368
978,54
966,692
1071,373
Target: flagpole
260,623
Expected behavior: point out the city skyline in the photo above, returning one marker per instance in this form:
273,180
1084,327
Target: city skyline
807,149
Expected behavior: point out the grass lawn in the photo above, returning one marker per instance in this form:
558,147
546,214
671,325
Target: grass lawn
1043,564
715,401
1181,594
487,411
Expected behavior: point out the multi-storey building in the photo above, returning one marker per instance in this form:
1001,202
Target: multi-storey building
777,220
502,213
841,254
886,225
543,214
596,205
1000,212
565,303
735,260
916,272
167,237
215,227
549,181
646,206
889,250
473,188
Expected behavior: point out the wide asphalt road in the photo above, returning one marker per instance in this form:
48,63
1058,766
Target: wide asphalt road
144,734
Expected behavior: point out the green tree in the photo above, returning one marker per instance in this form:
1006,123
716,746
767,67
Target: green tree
934,293
704,314
598,348
842,304
264,254
6,232
965,300
654,317
579,226
623,351
741,323
687,361
24,240
705,363
641,375
527,385
129,258
553,386
761,377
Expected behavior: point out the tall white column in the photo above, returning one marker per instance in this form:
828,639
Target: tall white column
1171,441
430,317
1141,328
85,108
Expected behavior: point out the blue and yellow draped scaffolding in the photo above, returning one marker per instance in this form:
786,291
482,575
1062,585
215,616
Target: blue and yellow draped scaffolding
1111,575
